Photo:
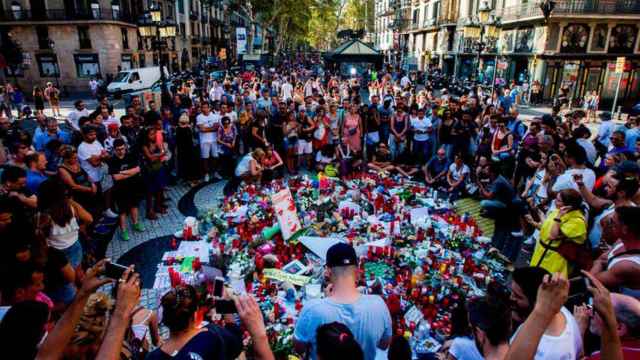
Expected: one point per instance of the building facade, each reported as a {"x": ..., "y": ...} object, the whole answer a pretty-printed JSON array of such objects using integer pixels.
[
  {"x": 68, "y": 42},
  {"x": 574, "y": 48}
]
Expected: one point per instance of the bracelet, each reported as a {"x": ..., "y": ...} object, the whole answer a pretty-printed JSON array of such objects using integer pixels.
[{"x": 558, "y": 220}]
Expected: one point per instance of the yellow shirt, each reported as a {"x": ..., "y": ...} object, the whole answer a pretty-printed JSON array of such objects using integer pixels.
[{"x": 573, "y": 227}]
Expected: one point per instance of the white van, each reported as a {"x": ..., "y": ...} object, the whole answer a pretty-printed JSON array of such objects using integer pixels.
[{"x": 135, "y": 80}]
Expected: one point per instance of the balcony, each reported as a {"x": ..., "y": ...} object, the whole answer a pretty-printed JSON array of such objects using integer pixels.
[
  {"x": 206, "y": 40},
  {"x": 66, "y": 15},
  {"x": 571, "y": 8},
  {"x": 429, "y": 23},
  {"x": 195, "y": 39}
]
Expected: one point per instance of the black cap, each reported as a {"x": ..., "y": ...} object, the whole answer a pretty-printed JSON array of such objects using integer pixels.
[
  {"x": 341, "y": 254},
  {"x": 627, "y": 167}
]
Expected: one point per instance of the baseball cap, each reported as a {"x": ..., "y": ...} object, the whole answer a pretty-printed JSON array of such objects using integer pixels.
[
  {"x": 341, "y": 254},
  {"x": 627, "y": 167},
  {"x": 112, "y": 126}
]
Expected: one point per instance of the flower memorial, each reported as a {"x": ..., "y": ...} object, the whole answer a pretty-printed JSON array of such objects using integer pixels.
[{"x": 414, "y": 251}]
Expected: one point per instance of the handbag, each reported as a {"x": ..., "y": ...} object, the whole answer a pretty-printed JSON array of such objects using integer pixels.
[{"x": 578, "y": 254}]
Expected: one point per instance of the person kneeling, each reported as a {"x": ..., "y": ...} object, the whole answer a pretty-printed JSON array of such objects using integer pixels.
[{"x": 249, "y": 169}]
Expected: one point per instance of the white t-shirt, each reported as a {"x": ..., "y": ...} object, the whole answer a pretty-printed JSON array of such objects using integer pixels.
[
  {"x": 244, "y": 166},
  {"x": 232, "y": 115},
  {"x": 405, "y": 81},
  {"x": 459, "y": 173},
  {"x": 421, "y": 124},
  {"x": 111, "y": 120},
  {"x": 565, "y": 181},
  {"x": 566, "y": 346},
  {"x": 75, "y": 115},
  {"x": 86, "y": 151},
  {"x": 208, "y": 121},
  {"x": 287, "y": 91},
  {"x": 321, "y": 159}
]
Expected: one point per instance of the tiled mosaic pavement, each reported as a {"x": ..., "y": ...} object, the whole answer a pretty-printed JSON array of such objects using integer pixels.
[{"x": 160, "y": 231}]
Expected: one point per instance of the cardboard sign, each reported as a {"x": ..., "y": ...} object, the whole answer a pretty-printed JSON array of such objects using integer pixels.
[
  {"x": 286, "y": 213},
  {"x": 319, "y": 245},
  {"x": 277, "y": 274}
]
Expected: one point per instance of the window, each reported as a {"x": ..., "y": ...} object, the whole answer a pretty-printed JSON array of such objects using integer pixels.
[
  {"x": 83, "y": 37},
  {"x": 87, "y": 65},
  {"x": 183, "y": 31},
  {"x": 42, "y": 31},
  {"x": 14, "y": 71},
  {"x": 125, "y": 38},
  {"x": 48, "y": 65},
  {"x": 143, "y": 60},
  {"x": 181, "y": 6},
  {"x": 126, "y": 62}
]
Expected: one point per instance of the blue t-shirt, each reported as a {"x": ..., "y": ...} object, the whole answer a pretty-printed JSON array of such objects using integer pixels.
[
  {"x": 34, "y": 179},
  {"x": 464, "y": 348},
  {"x": 436, "y": 166},
  {"x": 368, "y": 319},
  {"x": 631, "y": 136},
  {"x": 42, "y": 138}
]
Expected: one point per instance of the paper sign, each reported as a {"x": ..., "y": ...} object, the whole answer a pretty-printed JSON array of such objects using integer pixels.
[
  {"x": 286, "y": 213},
  {"x": 319, "y": 245},
  {"x": 413, "y": 315},
  {"x": 280, "y": 275},
  {"x": 419, "y": 215}
]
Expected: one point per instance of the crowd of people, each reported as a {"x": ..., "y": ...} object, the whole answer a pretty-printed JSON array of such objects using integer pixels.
[{"x": 563, "y": 200}]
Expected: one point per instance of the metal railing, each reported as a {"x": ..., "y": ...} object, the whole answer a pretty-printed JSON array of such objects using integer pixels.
[
  {"x": 597, "y": 7},
  {"x": 573, "y": 7},
  {"x": 66, "y": 15}
]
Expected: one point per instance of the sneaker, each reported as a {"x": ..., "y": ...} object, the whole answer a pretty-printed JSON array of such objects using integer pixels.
[
  {"x": 206, "y": 178},
  {"x": 217, "y": 176},
  {"x": 110, "y": 213},
  {"x": 124, "y": 235},
  {"x": 138, "y": 227}
]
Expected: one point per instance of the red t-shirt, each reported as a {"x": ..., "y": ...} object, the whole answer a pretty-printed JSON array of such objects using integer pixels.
[{"x": 628, "y": 353}]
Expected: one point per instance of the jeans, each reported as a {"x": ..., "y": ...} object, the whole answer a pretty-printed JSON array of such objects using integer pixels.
[
  {"x": 396, "y": 147},
  {"x": 385, "y": 131},
  {"x": 421, "y": 150},
  {"x": 493, "y": 207}
]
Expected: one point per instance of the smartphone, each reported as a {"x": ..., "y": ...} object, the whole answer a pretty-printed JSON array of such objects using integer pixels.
[
  {"x": 218, "y": 287},
  {"x": 578, "y": 286},
  {"x": 114, "y": 271},
  {"x": 225, "y": 307}
]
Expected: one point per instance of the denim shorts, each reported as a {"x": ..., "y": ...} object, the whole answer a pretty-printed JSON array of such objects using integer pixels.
[
  {"x": 74, "y": 254},
  {"x": 64, "y": 294}
]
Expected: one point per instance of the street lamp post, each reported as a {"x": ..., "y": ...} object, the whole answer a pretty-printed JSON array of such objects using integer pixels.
[
  {"x": 152, "y": 26},
  {"x": 56, "y": 71},
  {"x": 547, "y": 7},
  {"x": 485, "y": 25}
]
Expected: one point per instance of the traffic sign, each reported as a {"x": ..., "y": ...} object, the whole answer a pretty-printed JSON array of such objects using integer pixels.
[{"x": 620, "y": 61}]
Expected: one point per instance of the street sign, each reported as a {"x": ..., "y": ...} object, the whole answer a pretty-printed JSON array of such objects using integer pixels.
[{"x": 620, "y": 61}]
